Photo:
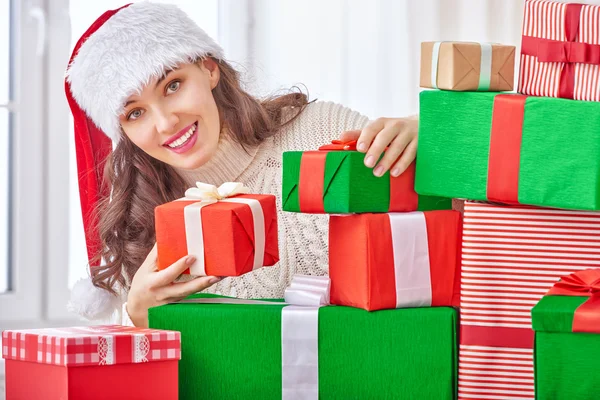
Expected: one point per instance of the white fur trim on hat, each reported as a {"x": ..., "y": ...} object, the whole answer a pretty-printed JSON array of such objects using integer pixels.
[
  {"x": 131, "y": 48},
  {"x": 90, "y": 302}
]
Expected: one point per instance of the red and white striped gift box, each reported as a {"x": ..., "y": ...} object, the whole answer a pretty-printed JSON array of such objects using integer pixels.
[
  {"x": 511, "y": 256},
  {"x": 560, "y": 52},
  {"x": 91, "y": 345}
]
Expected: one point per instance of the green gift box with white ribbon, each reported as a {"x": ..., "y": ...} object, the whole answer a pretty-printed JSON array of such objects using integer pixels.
[{"x": 234, "y": 348}]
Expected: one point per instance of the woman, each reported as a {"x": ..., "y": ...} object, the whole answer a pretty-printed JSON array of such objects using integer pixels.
[{"x": 146, "y": 80}]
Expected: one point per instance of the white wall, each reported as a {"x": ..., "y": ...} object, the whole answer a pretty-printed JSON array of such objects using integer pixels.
[{"x": 365, "y": 54}]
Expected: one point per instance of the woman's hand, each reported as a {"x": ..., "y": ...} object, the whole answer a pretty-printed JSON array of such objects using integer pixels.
[
  {"x": 399, "y": 135},
  {"x": 151, "y": 287}
]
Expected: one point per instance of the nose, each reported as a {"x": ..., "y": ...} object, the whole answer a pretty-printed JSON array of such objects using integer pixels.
[{"x": 165, "y": 120}]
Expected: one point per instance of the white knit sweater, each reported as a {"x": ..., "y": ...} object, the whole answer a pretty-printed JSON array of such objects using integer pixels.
[{"x": 303, "y": 241}]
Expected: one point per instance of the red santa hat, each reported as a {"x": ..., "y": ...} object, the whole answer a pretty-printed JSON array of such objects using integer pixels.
[{"x": 122, "y": 51}]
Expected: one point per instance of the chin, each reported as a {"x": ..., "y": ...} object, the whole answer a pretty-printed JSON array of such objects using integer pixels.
[{"x": 196, "y": 160}]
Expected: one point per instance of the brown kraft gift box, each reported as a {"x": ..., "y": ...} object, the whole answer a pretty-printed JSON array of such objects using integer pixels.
[{"x": 459, "y": 66}]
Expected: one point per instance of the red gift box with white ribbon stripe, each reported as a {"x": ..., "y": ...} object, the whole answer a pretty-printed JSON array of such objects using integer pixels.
[
  {"x": 511, "y": 256},
  {"x": 119, "y": 353},
  {"x": 560, "y": 50},
  {"x": 394, "y": 260}
]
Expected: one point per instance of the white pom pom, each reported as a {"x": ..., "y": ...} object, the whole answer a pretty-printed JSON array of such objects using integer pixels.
[{"x": 91, "y": 302}]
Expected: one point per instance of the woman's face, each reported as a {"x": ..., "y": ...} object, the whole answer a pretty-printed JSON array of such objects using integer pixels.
[{"x": 175, "y": 118}]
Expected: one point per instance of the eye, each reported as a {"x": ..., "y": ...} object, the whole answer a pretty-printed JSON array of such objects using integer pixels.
[
  {"x": 172, "y": 87},
  {"x": 135, "y": 114}
]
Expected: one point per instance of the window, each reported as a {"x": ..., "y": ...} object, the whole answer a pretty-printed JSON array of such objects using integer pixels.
[{"x": 5, "y": 132}]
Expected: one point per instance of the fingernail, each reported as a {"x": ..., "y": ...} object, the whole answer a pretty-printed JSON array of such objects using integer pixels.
[
  {"x": 361, "y": 147},
  {"x": 395, "y": 172},
  {"x": 190, "y": 260},
  {"x": 214, "y": 280},
  {"x": 370, "y": 161},
  {"x": 378, "y": 171}
]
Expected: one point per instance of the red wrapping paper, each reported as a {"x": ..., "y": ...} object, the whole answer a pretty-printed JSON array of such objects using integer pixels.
[
  {"x": 228, "y": 235},
  {"x": 361, "y": 259},
  {"x": 92, "y": 363}
]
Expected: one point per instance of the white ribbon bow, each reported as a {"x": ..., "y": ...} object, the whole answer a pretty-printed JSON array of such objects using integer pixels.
[{"x": 209, "y": 194}]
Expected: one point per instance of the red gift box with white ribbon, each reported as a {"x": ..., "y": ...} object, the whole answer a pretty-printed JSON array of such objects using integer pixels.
[
  {"x": 93, "y": 362},
  {"x": 395, "y": 260}
]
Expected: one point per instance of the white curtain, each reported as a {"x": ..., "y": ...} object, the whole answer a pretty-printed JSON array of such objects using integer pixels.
[{"x": 363, "y": 54}]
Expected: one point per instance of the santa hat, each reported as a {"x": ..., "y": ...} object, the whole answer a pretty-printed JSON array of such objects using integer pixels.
[{"x": 117, "y": 56}]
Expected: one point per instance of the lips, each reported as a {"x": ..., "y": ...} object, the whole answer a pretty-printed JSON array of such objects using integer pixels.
[{"x": 181, "y": 137}]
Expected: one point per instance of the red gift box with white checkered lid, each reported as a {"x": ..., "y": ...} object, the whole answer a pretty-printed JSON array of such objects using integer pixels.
[{"x": 65, "y": 362}]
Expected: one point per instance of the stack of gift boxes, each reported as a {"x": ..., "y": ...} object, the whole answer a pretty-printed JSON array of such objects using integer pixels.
[
  {"x": 389, "y": 248},
  {"x": 401, "y": 263},
  {"x": 529, "y": 165}
]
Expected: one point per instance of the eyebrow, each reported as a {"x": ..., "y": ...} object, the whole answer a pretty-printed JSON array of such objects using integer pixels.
[{"x": 162, "y": 78}]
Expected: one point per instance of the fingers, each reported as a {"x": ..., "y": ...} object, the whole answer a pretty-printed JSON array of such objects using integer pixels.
[
  {"x": 391, "y": 137},
  {"x": 368, "y": 134},
  {"x": 405, "y": 159},
  {"x": 169, "y": 274},
  {"x": 180, "y": 290},
  {"x": 349, "y": 135}
]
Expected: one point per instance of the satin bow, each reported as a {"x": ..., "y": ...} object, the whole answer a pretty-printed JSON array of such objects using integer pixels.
[
  {"x": 208, "y": 192},
  {"x": 581, "y": 283}
]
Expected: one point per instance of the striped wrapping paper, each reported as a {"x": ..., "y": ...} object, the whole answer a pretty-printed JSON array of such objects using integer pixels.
[
  {"x": 511, "y": 256},
  {"x": 546, "y": 20}
]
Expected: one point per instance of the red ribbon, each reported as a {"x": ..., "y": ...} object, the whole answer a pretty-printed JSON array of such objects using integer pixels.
[
  {"x": 582, "y": 283},
  {"x": 312, "y": 178},
  {"x": 349, "y": 145},
  {"x": 505, "y": 148},
  {"x": 569, "y": 52}
]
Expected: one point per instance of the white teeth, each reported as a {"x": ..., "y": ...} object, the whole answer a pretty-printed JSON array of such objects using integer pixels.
[{"x": 184, "y": 138}]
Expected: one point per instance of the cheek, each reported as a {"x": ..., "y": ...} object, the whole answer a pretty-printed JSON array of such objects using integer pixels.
[
  {"x": 204, "y": 104},
  {"x": 141, "y": 135}
]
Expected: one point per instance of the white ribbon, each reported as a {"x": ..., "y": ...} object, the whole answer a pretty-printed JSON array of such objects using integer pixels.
[
  {"x": 485, "y": 66},
  {"x": 435, "y": 58},
  {"x": 300, "y": 336},
  {"x": 299, "y": 333},
  {"x": 411, "y": 259},
  {"x": 106, "y": 350},
  {"x": 210, "y": 194}
]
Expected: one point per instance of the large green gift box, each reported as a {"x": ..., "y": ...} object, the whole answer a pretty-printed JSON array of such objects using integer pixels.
[
  {"x": 567, "y": 339},
  {"x": 231, "y": 351},
  {"x": 336, "y": 181},
  {"x": 509, "y": 148}
]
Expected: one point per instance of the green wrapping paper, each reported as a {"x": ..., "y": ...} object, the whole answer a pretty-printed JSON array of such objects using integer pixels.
[
  {"x": 232, "y": 351},
  {"x": 558, "y": 163},
  {"x": 348, "y": 186},
  {"x": 566, "y": 363}
]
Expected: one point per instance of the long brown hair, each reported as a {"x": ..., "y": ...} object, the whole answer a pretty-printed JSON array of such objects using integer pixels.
[{"x": 139, "y": 182}]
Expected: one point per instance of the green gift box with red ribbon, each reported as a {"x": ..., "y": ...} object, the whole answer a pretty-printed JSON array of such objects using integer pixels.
[
  {"x": 567, "y": 338},
  {"x": 335, "y": 180},
  {"x": 509, "y": 148}
]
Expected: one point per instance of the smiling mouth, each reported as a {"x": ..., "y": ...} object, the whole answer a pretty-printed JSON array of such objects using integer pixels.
[{"x": 183, "y": 139}]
